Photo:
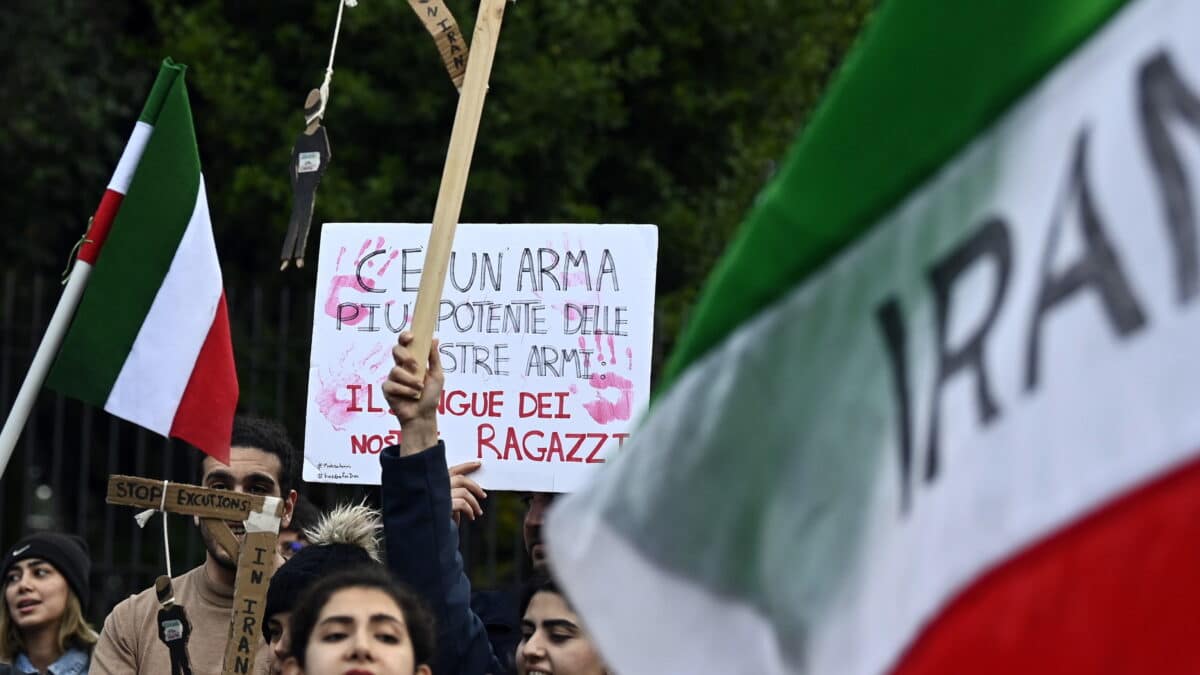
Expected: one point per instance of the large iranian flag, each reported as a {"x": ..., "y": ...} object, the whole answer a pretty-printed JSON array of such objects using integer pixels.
[
  {"x": 939, "y": 408},
  {"x": 150, "y": 340}
]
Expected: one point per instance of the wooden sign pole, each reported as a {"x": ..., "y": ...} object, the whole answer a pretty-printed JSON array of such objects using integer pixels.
[
  {"x": 255, "y": 555},
  {"x": 256, "y": 564},
  {"x": 454, "y": 176}
]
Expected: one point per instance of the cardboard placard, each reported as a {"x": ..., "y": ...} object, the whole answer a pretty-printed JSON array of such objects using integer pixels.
[
  {"x": 219, "y": 530},
  {"x": 256, "y": 564},
  {"x": 545, "y": 334},
  {"x": 440, "y": 23},
  {"x": 255, "y": 555},
  {"x": 192, "y": 500}
]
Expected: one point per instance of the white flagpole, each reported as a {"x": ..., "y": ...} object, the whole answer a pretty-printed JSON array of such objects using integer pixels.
[
  {"x": 42, "y": 360},
  {"x": 88, "y": 249}
]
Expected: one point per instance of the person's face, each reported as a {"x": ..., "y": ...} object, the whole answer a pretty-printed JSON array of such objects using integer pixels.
[
  {"x": 279, "y": 640},
  {"x": 35, "y": 594},
  {"x": 552, "y": 641},
  {"x": 360, "y": 631},
  {"x": 535, "y": 513},
  {"x": 290, "y": 543},
  {"x": 251, "y": 471}
]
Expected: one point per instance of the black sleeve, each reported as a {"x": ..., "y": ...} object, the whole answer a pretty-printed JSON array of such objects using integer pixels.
[{"x": 422, "y": 551}]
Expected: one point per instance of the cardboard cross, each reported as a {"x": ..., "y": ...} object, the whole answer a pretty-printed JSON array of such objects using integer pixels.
[
  {"x": 440, "y": 23},
  {"x": 255, "y": 555}
]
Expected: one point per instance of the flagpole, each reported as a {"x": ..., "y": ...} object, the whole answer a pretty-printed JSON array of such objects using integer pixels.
[
  {"x": 88, "y": 252},
  {"x": 60, "y": 321},
  {"x": 454, "y": 177}
]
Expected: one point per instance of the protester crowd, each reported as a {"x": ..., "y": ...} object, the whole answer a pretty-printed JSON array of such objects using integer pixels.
[{"x": 355, "y": 589}]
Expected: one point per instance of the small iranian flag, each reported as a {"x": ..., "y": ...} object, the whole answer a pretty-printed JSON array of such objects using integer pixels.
[
  {"x": 150, "y": 340},
  {"x": 937, "y": 411}
]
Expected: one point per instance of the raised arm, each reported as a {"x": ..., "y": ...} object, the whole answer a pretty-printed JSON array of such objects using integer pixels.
[{"x": 421, "y": 537}]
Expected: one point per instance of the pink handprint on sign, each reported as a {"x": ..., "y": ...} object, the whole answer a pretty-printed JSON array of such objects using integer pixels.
[
  {"x": 614, "y": 393},
  {"x": 359, "y": 281},
  {"x": 350, "y": 385},
  {"x": 572, "y": 281}
]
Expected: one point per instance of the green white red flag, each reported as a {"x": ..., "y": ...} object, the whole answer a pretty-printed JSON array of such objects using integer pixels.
[
  {"x": 150, "y": 341},
  {"x": 936, "y": 410}
]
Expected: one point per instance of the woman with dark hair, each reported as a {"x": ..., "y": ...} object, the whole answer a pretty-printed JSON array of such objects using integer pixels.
[
  {"x": 360, "y": 621},
  {"x": 42, "y": 628},
  {"x": 346, "y": 537},
  {"x": 553, "y": 641}
]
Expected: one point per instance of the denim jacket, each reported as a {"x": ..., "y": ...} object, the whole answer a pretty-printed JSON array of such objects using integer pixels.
[{"x": 72, "y": 662}]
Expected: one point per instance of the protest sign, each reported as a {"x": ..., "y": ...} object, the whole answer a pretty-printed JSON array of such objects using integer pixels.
[
  {"x": 255, "y": 554},
  {"x": 545, "y": 337}
]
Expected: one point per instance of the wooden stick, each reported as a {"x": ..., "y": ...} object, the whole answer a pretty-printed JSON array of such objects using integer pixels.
[{"x": 454, "y": 176}]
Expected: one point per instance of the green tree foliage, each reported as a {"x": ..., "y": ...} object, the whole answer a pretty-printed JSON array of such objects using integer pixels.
[
  {"x": 69, "y": 101},
  {"x": 669, "y": 112}
]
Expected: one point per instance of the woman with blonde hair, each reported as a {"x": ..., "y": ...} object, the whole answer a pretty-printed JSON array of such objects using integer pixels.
[{"x": 42, "y": 627}]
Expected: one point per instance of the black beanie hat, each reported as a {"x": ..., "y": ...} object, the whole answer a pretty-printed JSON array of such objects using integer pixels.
[
  {"x": 67, "y": 552},
  {"x": 301, "y": 570}
]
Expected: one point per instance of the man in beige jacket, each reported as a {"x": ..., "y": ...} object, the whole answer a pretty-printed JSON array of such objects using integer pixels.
[{"x": 261, "y": 463}]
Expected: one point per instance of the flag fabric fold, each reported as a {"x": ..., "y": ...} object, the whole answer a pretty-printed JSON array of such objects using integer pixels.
[
  {"x": 150, "y": 341},
  {"x": 935, "y": 410}
]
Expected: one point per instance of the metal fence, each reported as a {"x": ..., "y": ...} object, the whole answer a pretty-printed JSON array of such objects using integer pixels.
[{"x": 57, "y": 477}]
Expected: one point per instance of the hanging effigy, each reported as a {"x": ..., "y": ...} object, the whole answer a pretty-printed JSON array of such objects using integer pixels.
[{"x": 310, "y": 158}]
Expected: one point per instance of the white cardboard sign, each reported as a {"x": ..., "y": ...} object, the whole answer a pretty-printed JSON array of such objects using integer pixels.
[{"x": 545, "y": 337}]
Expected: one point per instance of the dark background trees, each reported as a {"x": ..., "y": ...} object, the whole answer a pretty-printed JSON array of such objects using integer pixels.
[{"x": 671, "y": 112}]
